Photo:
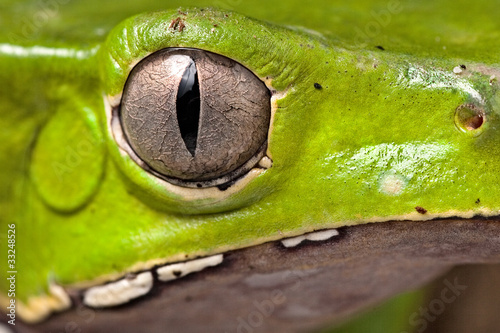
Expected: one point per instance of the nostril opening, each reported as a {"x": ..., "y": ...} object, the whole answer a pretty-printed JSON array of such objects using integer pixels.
[
  {"x": 469, "y": 117},
  {"x": 474, "y": 122}
]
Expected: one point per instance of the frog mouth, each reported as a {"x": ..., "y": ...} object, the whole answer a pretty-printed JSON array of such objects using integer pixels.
[
  {"x": 130, "y": 286},
  {"x": 136, "y": 285},
  {"x": 113, "y": 293},
  {"x": 341, "y": 275}
]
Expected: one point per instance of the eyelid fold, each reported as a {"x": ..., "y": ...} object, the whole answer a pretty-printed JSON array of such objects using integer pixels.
[
  {"x": 210, "y": 30},
  {"x": 128, "y": 44},
  {"x": 268, "y": 51}
]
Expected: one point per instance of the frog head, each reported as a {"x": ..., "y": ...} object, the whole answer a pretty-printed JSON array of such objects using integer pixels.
[{"x": 291, "y": 134}]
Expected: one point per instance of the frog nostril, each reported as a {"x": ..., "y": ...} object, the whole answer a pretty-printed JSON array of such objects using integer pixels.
[
  {"x": 475, "y": 122},
  {"x": 469, "y": 117}
]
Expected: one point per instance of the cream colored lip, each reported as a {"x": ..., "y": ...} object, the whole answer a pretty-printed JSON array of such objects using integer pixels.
[
  {"x": 137, "y": 285},
  {"x": 312, "y": 236},
  {"x": 38, "y": 308},
  {"x": 121, "y": 291}
]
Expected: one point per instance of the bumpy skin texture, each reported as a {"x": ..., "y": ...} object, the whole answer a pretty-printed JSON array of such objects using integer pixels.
[{"x": 383, "y": 117}]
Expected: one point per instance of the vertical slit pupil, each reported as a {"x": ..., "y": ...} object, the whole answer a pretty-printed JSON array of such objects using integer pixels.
[{"x": 188, "y": 107}]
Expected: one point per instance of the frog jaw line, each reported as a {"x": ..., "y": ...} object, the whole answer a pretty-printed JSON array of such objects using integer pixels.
[
  {"x": 119, "y": 292},
  {"x": 178, "y": 270},
  {"x": 311, "y": 236},
  {"x": 38, "y": 308},
  {"x": 134, "y": 286}
]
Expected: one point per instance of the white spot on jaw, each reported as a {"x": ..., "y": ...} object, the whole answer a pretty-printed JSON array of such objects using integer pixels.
[
  {"x": 119, "y": 292},
  {"x": 111, "y": 294},
  {"x": 38, "y": 308},
  {"x": 175, "y": 271},
  {"x": 60, "y": 294},
  {"x": 312, "y": 236}
]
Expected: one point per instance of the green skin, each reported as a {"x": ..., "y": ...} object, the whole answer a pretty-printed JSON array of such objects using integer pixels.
[{"x": 84, "y": 212}]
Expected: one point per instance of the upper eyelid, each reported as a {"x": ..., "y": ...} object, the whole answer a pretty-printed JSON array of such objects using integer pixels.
[{"x": 258, "y": 47}]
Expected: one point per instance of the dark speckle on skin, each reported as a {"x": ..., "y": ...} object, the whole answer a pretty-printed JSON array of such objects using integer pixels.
[
  {"x": 463, "y": 67},
  {"x": 421, "y": 210},
  {"x": 177, "y": 273},
  {"x": 177, "y": 24},
  {"x": 380, "y": 47},
  {"x": 181, "y": 26},
  {"x": 318, "y": 86},
  {"x": 174, "y": 22},
  {"x": 130, "y": 276},
  {"x": 478, "y": 201}
]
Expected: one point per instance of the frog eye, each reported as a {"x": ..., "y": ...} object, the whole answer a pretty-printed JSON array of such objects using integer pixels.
[{"x": 195, "y": 118}]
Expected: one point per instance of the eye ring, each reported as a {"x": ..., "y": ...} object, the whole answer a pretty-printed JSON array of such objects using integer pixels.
[{"x": 234, "y": 118}]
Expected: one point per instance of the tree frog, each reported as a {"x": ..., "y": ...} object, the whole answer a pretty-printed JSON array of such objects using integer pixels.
[{"x": 136, "y": 141}]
